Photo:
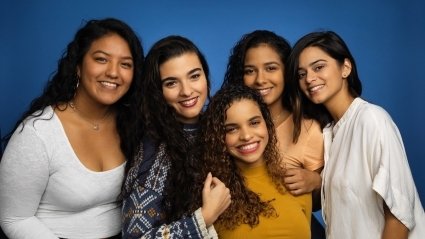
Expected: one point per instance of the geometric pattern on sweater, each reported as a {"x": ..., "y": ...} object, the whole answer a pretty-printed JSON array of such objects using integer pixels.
[{"x": 142, "y": 210}]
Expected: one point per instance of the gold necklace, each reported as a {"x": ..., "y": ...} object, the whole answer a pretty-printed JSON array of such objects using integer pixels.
[
  {"x": 275, "y": 119},
  {"x": 95, "y": 125}
]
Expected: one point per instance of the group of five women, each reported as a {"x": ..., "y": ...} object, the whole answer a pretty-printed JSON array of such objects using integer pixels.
[{"x": 119, "y": 145}]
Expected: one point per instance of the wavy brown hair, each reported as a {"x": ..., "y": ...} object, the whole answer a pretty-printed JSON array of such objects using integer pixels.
[{"x": 246, "y": 206}]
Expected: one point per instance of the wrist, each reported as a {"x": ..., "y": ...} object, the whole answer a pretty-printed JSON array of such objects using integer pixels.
[{"x": 207, "y": 217}]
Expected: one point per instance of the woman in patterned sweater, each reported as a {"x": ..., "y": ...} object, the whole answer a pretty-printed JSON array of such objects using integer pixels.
[{"x": 157, "y": 193}]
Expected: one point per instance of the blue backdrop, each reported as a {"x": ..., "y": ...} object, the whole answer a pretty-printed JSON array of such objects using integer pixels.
[{"x": 387, "y": 40}]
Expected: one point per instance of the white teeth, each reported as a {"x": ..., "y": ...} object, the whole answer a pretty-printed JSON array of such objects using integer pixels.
[
  {"x": 264, "y": 91},
  {"x": 189, "y": 102},
  {"x": 248, "y": 146},
  {"x": 109, "y": 84},
  {"x": 316, "y": 88}
]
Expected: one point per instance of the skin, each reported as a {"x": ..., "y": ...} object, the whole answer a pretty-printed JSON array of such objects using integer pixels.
[
  {"x": 323, "y": 81},
  {"x": 184, "y": 87},
  {"x": 246, "y": 133},
  {"x": 264, "y": 71},
  {"x": 105, "y": 76}
]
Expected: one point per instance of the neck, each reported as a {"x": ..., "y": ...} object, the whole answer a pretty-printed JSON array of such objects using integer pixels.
[
  {"x": 278, "y": 112},
  {"x": 89, "y": 110},
  {"x": 95, "y": 115},
  {"x": 339, "y": 106}
]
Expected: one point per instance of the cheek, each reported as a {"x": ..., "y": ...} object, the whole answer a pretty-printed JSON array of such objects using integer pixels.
[
  {"x": 229, "y": 141},
  {"x": 265, "y": 133},
  {"x": 169, "y": 95},
  {"x": 203, "y": 87},
  {"x": 129, "y": 76},
  {"x": 248, "y": 80}
]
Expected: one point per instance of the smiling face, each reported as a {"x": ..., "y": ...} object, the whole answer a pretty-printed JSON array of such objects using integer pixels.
[
  {"x": 322, "y": 79},
  {"x": 106, "y": 71},
  {"x": 246, "y": 133},
  {"x": 264, "y": 71},
  {"x": 184, "y": 86}
]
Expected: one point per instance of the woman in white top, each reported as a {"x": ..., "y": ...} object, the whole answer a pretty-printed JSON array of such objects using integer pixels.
[
  {"x": 63, "y": 167},
  {"x": 367, "y": 188}
]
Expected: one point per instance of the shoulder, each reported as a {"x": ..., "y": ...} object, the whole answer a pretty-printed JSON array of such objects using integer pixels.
[
  {"x": 311, "y": 128},
  {"x": 370, "y": 115}
]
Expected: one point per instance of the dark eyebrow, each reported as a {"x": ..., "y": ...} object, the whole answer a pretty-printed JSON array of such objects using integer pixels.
[
  {"x": 255, "y": 117},
  {"x": 189, "y": 73},
  {"x": 167, "y": 79},
  {"x": 194, "y": 70},
  {"x": 103, "y": 52},
  {"x": 267, "y": 63},
  {"x": 250, "y": 119},
  {"x": 314, "y": 62}
]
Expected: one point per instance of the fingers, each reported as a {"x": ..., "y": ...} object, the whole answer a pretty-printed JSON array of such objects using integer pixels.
[
  {"x": 291, "y": 172},
  {"x": 208, "y": 182}
]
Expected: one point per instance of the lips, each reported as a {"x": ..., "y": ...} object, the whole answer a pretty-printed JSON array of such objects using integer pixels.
[
  {"x": 109, "y": 85},
  {"x": 248, "y": 148},
  {"x": 190, "y": 102},
  {"x": 264, "y": 91},
  {"x": 314, "y": 89}
]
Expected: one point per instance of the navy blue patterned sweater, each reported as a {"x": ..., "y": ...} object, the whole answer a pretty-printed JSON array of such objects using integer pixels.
[{"x": 143, "y": 207}]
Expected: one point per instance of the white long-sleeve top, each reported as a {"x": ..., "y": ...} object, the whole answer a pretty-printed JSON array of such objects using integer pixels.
[
  {"x": 46, "y": 192},
  {"x": 365, "y": 166}
]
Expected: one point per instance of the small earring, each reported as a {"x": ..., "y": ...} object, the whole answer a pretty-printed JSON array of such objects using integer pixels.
[
  {"x": 344, "y": 75},
  {"x": 78, "y": 81}
]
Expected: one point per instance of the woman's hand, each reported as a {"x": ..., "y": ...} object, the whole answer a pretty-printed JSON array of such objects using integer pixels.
[
  {"x": 215, "y": 199},
  {"x": 299, "y": 181}
]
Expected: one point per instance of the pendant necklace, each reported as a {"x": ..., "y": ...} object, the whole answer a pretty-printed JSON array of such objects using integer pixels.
[{"x": 95, "y": 125}]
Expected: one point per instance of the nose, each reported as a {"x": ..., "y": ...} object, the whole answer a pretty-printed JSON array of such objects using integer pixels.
[
  {"x": 186, "y": 89},
  {"x": 112, "y": 70},
  {"x": 245, "y": 134},
  {"x": 260, "y": 78},
  {"x": 310, "y": 77}
]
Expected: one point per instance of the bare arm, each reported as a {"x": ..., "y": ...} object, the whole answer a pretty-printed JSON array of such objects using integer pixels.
[{"x": 393, "y": 228}]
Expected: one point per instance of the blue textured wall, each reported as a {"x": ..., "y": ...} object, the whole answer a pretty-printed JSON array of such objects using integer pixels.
[{"x": 385, "y": 38}]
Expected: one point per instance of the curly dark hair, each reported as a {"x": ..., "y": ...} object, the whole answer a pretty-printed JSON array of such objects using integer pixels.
[
  {"x": 62, "y": 85},
  {"x": 335, "y": 47},
  {"x": 246, "y": 206},
  {"x": 235, "y": 66},
  {"x": 160, "y": 124}
]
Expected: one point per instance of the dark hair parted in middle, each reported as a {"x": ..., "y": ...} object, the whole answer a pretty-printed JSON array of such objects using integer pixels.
[
  {"x": 160, "y": 123},
  {"x": 335, "y": 47}
]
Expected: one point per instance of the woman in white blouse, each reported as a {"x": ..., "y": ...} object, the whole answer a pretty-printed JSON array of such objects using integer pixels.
[{"x": 367, "y": 189}]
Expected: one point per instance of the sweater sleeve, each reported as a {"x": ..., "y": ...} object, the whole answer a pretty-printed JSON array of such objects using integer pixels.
[
  {"x": 143, "y": 208},
  {"x": 142, "y": 219},
  {"x": 24, "y": 174}
]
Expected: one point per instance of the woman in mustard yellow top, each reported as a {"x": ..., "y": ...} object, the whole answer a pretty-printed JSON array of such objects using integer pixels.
[{"x": 240, "y": 149}]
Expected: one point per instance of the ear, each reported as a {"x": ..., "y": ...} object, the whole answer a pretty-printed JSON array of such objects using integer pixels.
[{"x": 346, "y": 68}]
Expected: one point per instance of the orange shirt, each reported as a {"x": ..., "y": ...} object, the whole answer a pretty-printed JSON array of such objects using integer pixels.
[{"x": 308, "y": 151}]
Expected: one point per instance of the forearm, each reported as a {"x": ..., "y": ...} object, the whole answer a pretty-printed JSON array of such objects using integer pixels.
[
  {"x": 393, "y": 228},
  {"x": 141, "y": 219},
  {"x": 27, "y": 228}
]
